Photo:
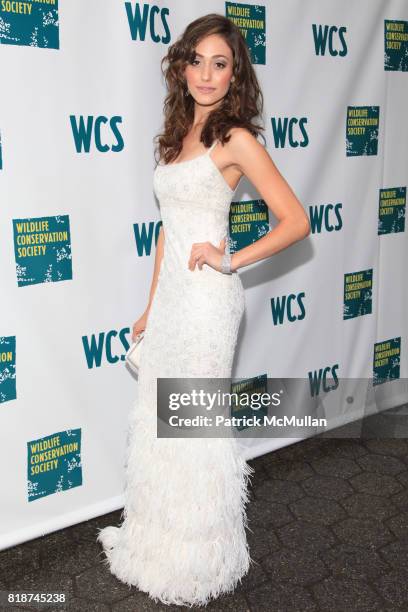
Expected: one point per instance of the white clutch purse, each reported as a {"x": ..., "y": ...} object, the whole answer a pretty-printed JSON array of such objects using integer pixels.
[{"x": 133, "y": 354}]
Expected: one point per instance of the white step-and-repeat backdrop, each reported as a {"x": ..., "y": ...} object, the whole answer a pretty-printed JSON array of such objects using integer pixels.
[{"x": 81, "y": 100}]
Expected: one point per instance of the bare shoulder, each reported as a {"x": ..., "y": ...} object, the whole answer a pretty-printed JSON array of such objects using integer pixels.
[
  {"x": 243, "y": 147},
  {"x": 240, "y": 135}
]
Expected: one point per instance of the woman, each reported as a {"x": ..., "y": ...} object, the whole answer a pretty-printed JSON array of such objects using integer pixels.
[{"x": 183, "y": 536}]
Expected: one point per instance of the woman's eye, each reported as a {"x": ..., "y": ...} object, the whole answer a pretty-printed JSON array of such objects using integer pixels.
[{"x": 196, "y": 61}]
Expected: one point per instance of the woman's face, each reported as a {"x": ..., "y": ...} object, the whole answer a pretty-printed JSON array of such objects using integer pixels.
[{"x": 208, "y": 76}]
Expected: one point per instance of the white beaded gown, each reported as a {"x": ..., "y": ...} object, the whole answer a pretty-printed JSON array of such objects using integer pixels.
[{"x": 183, "y": 538}]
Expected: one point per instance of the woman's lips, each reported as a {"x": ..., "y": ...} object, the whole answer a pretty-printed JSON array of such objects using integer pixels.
[{"x": 206, "y": 89}]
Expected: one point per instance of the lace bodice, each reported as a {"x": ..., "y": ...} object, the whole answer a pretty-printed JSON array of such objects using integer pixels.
[{"x": 194, "y": 201}]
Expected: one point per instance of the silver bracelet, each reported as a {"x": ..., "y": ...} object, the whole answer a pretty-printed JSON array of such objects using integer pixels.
[{"x": 226, "y": 259}]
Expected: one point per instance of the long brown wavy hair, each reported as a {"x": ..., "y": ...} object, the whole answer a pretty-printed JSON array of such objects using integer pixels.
[{"x": 242, "y": 103}]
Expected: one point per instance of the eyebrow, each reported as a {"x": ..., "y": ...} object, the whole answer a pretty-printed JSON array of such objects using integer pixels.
[{"x": 224, "y": 56}]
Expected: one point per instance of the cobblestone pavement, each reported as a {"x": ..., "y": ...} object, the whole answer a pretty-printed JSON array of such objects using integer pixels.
[{"x": 328, "y": 526}]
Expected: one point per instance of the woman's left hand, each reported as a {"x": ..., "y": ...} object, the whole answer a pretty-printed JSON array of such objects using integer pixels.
[{"x": 206, "y": 253}]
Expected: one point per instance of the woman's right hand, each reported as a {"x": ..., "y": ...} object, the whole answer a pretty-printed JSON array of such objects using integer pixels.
[{"x": 140, "y": 324}]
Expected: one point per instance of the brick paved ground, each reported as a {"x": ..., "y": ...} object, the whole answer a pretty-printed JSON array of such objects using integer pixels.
[{"x": 329, "y": 532}]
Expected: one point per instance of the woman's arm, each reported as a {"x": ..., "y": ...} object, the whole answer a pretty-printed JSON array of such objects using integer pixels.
[
  {"x": 251, "y": 158},
  {"x": 157, "y": 264}
]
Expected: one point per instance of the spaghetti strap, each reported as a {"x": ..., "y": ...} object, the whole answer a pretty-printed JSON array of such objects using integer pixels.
[{"x": 212, "y": 146}]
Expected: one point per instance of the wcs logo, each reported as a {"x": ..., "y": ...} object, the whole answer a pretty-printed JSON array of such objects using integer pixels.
[
  {"x": 318, "y": 379},
  {"x": 144, "y": 235},
  {"x": 284, "y": 308},
  {"x": 289, "y": 128},
  {"x": 321, "y": 218},
  {"x": 84, "y": 134},
  {"x": 99, "y": 347},
  {"x": 151, "y": 17},
  {"x": 326, "y": 35}
]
